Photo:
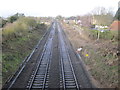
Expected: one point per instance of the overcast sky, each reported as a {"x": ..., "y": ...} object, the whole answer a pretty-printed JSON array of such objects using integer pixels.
[{"x": 53, "y": 7}]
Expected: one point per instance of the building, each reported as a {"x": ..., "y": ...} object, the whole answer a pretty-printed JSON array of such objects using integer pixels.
[{"x": 115, "y": 25}]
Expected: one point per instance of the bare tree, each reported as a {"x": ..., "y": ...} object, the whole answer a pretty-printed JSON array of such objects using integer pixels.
[
  {"x": 99, "y": 11},
  {"x": 103, "y": 16}
]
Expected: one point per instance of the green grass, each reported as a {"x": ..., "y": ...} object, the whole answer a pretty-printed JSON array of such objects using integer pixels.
[
  {"x": 107, "y": 35},
  {"x": 16, "y": 51},
  {"x": 100, "y": 67},
  {"x": 101, "y": 54},
  {"x": 100, "y": 70},
  {"x": 18, "y": 28},
  {"x": 17, "y": 44}
]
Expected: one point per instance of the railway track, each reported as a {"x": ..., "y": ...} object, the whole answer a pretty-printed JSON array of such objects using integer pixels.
[
  {"x": 67, "y": 76},
  {"x": 39, "y": 78}
]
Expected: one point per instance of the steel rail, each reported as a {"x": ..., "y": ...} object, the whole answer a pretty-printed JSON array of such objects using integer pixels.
[
  {"x": 40, "y": 61},
  {"x": 71, "y": 65},
  {"x": 38, "y": 64},
  {"x": 48, "y": 66},
  {"x": 62, "y": 68},
  {"x": 61, "y": 61},
  {"x": 72, "y": 70},
  {"x": 62, "y": 43},
  {"x": 24, "y": 62},
  {"x": 37, "y": 67}
]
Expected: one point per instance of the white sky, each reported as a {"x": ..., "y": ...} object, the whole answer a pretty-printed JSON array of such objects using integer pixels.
[{"x": 53, "y": 7}]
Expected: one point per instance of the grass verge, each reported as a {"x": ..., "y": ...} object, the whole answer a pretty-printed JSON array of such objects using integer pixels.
[
  {"x": 101, "y": 60},
  {"x": 15, "y": 49}
]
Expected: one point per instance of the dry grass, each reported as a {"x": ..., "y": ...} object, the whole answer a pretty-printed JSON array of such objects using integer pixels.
[
  {"x": 101, "y": 60},
  {"x": 18, "y": 28},
  {"x": 18, "y": 41}
]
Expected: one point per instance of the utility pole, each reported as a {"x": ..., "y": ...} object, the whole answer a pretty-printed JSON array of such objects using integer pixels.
[{"x": 98, "y": 35}]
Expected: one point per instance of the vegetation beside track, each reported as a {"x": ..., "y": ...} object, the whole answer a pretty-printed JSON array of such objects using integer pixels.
[
  {"x": 100, "y": 56},
  {"x": 19, "y": 39},
  {"x": 103, "y": 35}
]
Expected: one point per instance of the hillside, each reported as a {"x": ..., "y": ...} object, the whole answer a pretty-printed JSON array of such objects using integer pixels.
[
  {"x": 19, "y": 39},
  {"x": 100, "y": 56}
]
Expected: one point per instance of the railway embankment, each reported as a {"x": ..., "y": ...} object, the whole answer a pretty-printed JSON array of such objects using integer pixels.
[
  {"x": 100, "y": 56},
  {"x": 18, "y": 40}
]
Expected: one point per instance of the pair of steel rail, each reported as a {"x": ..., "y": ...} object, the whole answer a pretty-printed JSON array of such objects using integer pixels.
[
  {"x": 40, "y": 76},
  {"x": 68, "y": 76}
]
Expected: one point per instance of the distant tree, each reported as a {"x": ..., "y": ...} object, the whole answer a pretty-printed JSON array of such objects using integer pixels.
[
  {"x": 59, "y": 17},
  {"x": 117, "y": 15},
  {"x": 13, "y": 18},
  {"x": 99, "y": 11},
  {"x": 102, "y": 16},
  {"x": 2, "y": 22},
  {"x": 103, "y": 19},
  {"x": 72, "y": 18},
  {"x": 86, "y": 20}
]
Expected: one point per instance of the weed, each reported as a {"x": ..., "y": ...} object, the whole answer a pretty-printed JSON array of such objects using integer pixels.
[{"x": 18, "y": 41}]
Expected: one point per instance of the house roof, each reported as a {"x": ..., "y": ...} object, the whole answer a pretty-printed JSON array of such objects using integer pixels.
[{"x": 115, "y": 25}]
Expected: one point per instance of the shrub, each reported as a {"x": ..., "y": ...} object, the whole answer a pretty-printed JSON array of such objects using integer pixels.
[
  {"x": 107, "y": 35},
  {"x": 29, "y": 21},
  {"x": 18, "y": 28}
]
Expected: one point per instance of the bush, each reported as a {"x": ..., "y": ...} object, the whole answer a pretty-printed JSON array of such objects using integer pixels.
[
  {"x": 107, "y": 35},
  {"x": 29, "y": 21},
  {"x": 18, "y": 28},
  {"x": 15, "y": 17},
  {"x": 2, "y": 22}
]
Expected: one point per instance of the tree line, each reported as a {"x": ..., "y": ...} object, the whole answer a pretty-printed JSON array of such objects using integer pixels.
[{"x": 10, "y": 19}]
